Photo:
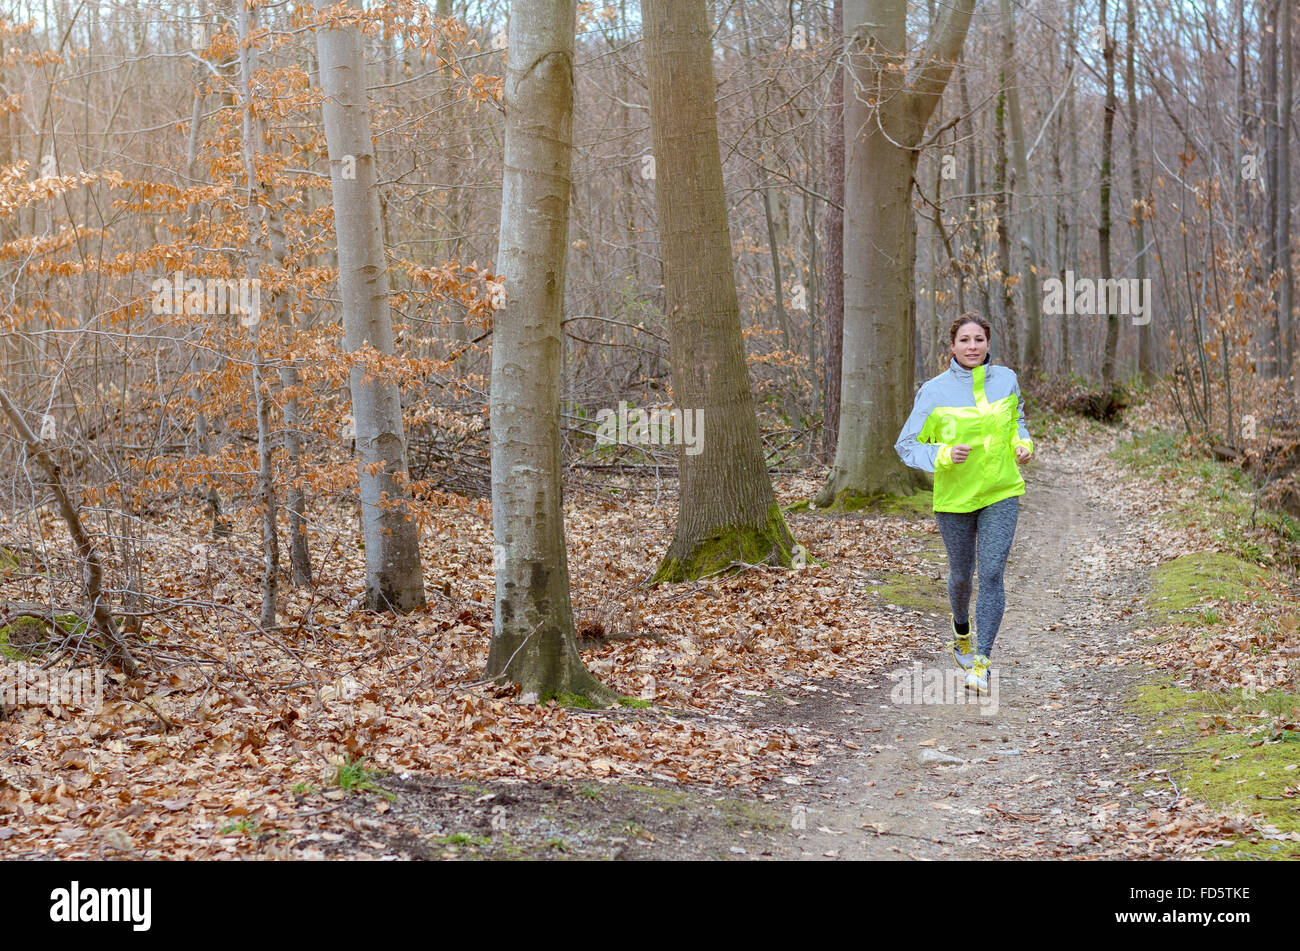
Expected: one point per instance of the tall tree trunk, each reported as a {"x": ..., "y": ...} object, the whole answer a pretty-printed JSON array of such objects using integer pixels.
[
  {"x": 533, "y": 641},
  {"x": 1270, "y": 338},
  {"x": 1103, "y": 223},
  {"x": 1139, "y": 196},
  {"x": 1071, "y": 257},
  {"x": 1286, "y": 290},
  {"x": 1021, "y": 204},
  {"x": 1244, "y": 135},
  {"x": 394, "y": 579},
  {"x": 728, "y": 512},
  {"x": 261, "y": 394},
  {"x": 973, "y": 184},
  {"x": 877, "y": 375},
  {"x": 834, "y": 308},
  {"x": 1002, "y": 210}
]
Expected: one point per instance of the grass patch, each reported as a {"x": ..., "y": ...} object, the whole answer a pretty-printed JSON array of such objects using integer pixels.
[
  {"x": 1237, "y": 761},
  {"x": 915, "y": 592},
  {"x": 918, "y": 591},
  {"x": 1216, "y": 497},
  {"x": 1183, "y": 583},
  {"x": 352, "y": 775},
  {"x": 463, "y": 839},
  {"x": 636, "y": 703},
  {"x": 244, "y": 825}
]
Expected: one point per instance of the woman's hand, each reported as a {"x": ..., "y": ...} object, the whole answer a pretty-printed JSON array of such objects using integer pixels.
[
  {"x": 959, "y": 453},
  {"x": 1023, "y": 455}
]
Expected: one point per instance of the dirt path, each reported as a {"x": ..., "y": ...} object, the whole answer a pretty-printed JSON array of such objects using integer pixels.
[
  {"x": 1037, "y": 773},
  {"x": 1044, "y": 772}
]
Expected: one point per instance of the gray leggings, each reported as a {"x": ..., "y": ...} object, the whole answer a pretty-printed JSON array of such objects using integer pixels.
[{"x": 989, "y": 531}]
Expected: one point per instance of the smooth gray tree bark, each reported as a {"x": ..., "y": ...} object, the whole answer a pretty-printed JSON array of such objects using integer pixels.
[
  {"x": 887, "y": 104},
  {"x": 394, "y": 579},
  {"x": 533, "y": 640}
]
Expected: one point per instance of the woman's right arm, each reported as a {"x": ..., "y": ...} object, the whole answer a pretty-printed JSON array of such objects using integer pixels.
[{"x": 917, "y": 454}]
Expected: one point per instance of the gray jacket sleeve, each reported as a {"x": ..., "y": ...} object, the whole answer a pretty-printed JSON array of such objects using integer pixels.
[
  {"x": 916, "y": 454},
  {"x": 1022, "y": 432}
]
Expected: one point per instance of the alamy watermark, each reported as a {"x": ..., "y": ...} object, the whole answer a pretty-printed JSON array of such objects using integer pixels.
[
  {"x": 940, "y": 685},
  {"x": 655, "y": 426},
  {"x": 24, "y": 684},
  {"x": 77, "y": 904},
  {"x": 1097, "y": 297},
  {"x": 179, "y": 294}
]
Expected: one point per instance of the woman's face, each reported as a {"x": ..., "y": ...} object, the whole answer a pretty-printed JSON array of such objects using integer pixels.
[{"x": 971, "y": 345}]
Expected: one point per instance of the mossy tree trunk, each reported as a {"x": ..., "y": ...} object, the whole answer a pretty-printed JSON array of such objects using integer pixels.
[
  {"x": 728, "y": 512},
  {"x": 886, "y": 108},
  {"x": 533, "y": 640}
]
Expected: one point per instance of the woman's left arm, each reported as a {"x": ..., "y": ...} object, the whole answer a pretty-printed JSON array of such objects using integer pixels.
[{"x": 1022, "y": 440}]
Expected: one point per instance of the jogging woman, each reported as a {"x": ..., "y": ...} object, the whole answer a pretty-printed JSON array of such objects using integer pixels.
[{"x": 968, "y": 428}]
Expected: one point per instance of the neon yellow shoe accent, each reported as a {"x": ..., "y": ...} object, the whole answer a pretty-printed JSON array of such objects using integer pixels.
[
  {"x": 978, "y": 678},
  {"x": 962, "y": 646}
]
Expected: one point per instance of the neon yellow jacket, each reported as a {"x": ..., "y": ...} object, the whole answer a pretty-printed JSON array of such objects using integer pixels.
[{"x": 981, "y": 408}]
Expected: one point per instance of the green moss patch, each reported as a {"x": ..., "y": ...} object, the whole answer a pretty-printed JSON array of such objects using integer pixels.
[
  {"x": 918, "y": 590},
  {"x": 916, "y": 505},
  {"x": 1237, "y": 761},
  {"x": 735, "y": 813},
  {"x": 736, "y": 546},
  {"x": 915, "y": 592},
  {"x": 1185, "y": 582},
  {"x": 573, "y": 700},
  {"x": 28, "y": 636}
]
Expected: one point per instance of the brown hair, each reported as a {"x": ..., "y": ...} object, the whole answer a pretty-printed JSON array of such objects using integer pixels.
[{"x": 970, "y": 317}]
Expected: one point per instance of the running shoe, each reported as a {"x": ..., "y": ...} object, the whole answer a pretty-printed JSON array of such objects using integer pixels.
[
  {"x": 962, "y": 645},
  {"x": 978, "y": 678}
]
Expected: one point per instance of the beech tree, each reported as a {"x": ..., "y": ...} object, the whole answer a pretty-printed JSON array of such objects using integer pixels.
[
  {"x": 888, "y": 99},
  {"x": 394, "y": 578},
  {"x": 533, "y": 640},
  {"x": 1104, "y": 190},
  {"x": 728, "y": 512},
  {"x": 834, "y": 254}
]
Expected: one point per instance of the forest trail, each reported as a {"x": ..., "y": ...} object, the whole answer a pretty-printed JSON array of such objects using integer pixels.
[
  {"x": 1059, "y": 768},
  {"x": 1037, "y": 773}
]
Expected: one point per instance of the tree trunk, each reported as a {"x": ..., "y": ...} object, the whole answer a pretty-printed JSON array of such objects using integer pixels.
[
  {"x": 877, "y": 374},
  {"x": 1103, "y": 223},
  {"x": 1021, "y": 204},
  {"x": 1286, "y": 290},
  {"x": 261, "y": 396},
  {"x": 393, "y": 573},
  {"x": 1145, "y": 367},
  {"x": 1071, "y": 250},
  {"x": 533, "y": 640},
  {"x": 728, "y": 513},
  {"x": 1002, "y": 210},
  {"x": 834, "y": 308}
]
